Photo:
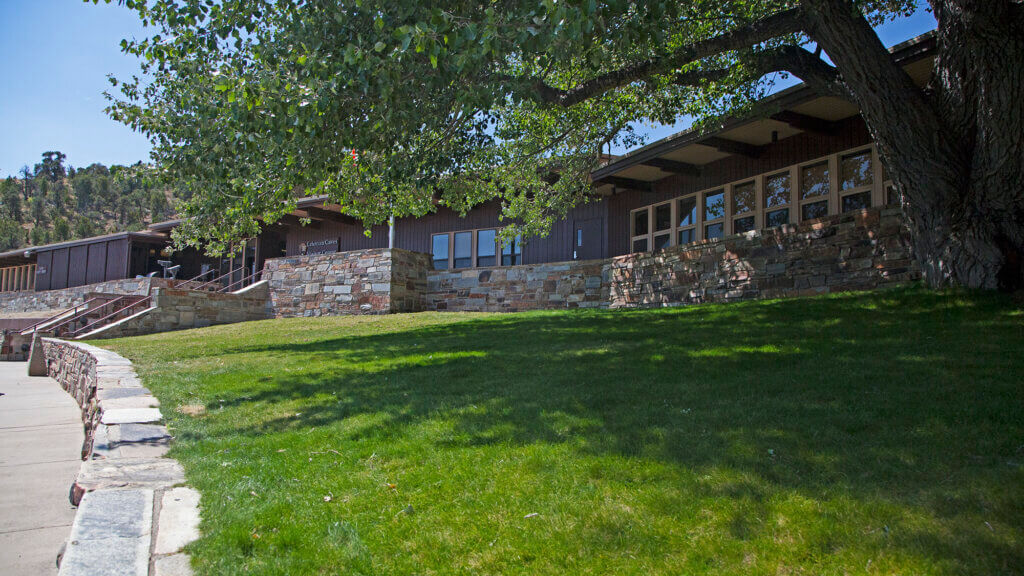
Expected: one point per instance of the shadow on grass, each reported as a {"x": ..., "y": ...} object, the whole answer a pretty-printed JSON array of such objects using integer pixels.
[{"x": 908, "y": 398}]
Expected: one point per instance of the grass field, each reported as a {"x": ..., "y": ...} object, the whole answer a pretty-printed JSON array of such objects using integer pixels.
[{"x": 853, "y": 434}]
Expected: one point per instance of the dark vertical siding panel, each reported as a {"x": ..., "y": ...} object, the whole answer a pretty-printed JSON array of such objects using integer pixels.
[
  {"x": 78, "y": 259},
  {"x": 117, "y": 259},
  {"x": 97, "y": 263},
  {"x": 44, "y": 264},
  {"x": 59, "y": 274}
]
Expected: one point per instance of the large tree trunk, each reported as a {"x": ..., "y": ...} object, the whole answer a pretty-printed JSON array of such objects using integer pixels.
[{"x": 955, "y": 151}]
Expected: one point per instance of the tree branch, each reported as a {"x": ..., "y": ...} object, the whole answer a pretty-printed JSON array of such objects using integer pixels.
[
  {"x": 763, "y": 30},
  {"x": 803, "y": 64}
]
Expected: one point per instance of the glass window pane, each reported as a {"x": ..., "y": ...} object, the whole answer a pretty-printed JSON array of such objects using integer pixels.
[
  {"x": 511, "y": 251},
  {"x": 713, "y": 231},
  {"x": 686, "y": 236},
  {"x": 486, "y": 247},
  {"x": 776, "y": 190},
  {"x": 855, "y": 170},
  {"x": 776, "y": 218},
  {"x": 814, "y": 210},
  {"x": 857, "y": 201},
  {"x": 439, "y": 248},
  {"x": 463, "y": 249},
  {"x": 892, "y": 197},
  {"x": 662, "y": 217},
  {"x": 687, "y": 211},
  {"x": 640, "y": 222},
  {"x": 814, "y": 180},
  {"x": 743, "y": 198},
  {"x": 662, "y": 241},
  {"x": 714, "y": 205},
  {"x": 745, "y": 224},
  {"x": 640, "y": 245}
]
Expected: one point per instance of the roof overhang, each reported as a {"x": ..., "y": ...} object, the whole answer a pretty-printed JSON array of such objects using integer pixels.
[{"x": 792, "y": 111}]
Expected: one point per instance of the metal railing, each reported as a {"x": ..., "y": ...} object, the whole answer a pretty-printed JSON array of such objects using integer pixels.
[
  {"x": 73, "y": 312},
  {"x": 100, "y": 322},
  {"x": 244, "y": 282}
]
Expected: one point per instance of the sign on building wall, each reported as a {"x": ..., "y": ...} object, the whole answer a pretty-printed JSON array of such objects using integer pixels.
[{"x": 319, "y": 246}]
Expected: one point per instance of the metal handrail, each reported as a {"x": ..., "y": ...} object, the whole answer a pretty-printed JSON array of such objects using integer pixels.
[
  {"x": 111, "y": 315},
  {"x": 73, "y": 311},
  {"x": 218, "y": 278},
  {"x": 101, "y": 307},
  {"x": 242, "y": 281},
  {"x": 195, "y": 278}
]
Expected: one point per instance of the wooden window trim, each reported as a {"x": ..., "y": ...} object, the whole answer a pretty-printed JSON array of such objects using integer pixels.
[{"x": 473, "y": 247}]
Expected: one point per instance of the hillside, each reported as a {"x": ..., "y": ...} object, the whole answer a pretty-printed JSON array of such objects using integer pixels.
[{"x": 53, "y": 201}]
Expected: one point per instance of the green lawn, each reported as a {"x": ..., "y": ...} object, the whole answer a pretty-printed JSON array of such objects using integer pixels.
[{"x": 853, "y": 434}]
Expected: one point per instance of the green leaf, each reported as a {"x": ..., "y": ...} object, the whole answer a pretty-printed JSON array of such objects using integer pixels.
[{"x": 380, "y": 46}]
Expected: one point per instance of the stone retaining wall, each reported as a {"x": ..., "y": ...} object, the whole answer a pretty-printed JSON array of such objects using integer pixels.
[
  {"x": 183, "y": 309},
  {"x": 53, "y": 300},
  {"x": 517, "y": 288},
  {"x": 855, "y": 251},
  {"x": 376, "y": 281},
  {"x": 126, "y": 490}
]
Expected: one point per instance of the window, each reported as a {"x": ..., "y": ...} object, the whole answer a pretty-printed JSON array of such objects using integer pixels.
[
  {"x": 744, "y": 202},
  {"x": 662, "y": 241},
  {"x": 687, "y": 211},
  {"x": 713, "y": 231},
  {"x": 486, "y": 247},
  {"x": 641, "y": 226},
  {"x": 814, "y": 210},
  {"x": 511, "y": 252},
  {"x": 857, "y": 201},
  {"x": 686, "y": 236},
  {"x": 439, "y": 249},
  {"x": 856, "y": 175},
  {"x": 714, "y": 205},
  {"x": 663, "y": 217},
  {"x": 744, "y": 224},
  {"x": 814, "y": 181},
  {"x": 814, "y": 190},
  {"x": 892, "y": 197},
  {"x": 463, "y": 252},
  {"x": 776, "y": 218}
]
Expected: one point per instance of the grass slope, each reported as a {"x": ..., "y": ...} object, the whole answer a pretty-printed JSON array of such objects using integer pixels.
[{"x": 853, "y": 434}]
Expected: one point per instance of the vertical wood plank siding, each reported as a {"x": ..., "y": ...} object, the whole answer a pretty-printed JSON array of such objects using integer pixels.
[{"x": 97, "y": 263}]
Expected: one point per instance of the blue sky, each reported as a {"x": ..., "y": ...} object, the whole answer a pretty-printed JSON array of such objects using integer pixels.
[{"x": 55, "y": 56}]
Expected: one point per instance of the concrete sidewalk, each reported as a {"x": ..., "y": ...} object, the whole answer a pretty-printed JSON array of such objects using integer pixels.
[{"x": 40, "y": 454}]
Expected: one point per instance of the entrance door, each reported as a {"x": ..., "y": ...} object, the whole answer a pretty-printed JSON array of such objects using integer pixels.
[{"x": 587, "y": 239}]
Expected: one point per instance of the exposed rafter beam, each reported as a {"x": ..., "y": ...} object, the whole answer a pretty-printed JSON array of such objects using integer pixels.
[
  {"x": 328, "y": 215},
  {"x": 806, "y": 123},
  {"x": 292, "y": 220},
  {"x": 673, "y": 166},
  {"x": 733, "y": 147},
  {"x": 630, "y": 183}
]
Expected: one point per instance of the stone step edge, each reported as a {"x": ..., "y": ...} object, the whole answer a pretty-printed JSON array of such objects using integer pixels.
[{"x": 123, "y": 462}]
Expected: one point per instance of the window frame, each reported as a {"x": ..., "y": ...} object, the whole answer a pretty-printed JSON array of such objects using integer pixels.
[
  {"x": 794, "y": 205},
  {"x": 869, "y": 188},
  {"x": 474, "y": 248}
]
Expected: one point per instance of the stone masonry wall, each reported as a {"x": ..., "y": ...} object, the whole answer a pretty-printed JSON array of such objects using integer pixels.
[
  {"x": 184, "y": 309},
  {"x": 855, "y": 251},
  {"x": 376, "y": 281},
  {"x": 53, "y": 300},
  {"x": 517, "y": 288},
  {"x": 125, "y": 487}
]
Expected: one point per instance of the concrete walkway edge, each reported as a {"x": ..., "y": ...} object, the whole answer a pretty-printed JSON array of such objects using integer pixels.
[{"x": 134, "y": 516}]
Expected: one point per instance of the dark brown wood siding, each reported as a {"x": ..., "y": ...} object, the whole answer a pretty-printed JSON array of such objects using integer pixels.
[
  {"x": 117, "y": 259},
  {"x": 44, "y": 269},
  {"x": 78, "y": 262},
  {"x": 59, "y": 269},
  {"x": 97, "y": 269}
]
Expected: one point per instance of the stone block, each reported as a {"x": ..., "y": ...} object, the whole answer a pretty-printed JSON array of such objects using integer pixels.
[
  {"x": 131, "y": 415},
  {"x": 178, "y": 523}
]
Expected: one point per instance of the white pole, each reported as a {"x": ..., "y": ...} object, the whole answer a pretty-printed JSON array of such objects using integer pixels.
[{"x": 391, "y": 231}]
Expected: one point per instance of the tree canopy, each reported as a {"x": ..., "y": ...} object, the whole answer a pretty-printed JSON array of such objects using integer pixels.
[{"x": 392, "y": 107}]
